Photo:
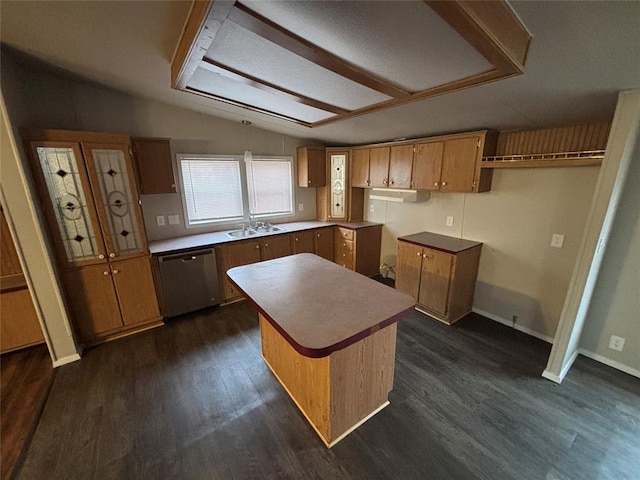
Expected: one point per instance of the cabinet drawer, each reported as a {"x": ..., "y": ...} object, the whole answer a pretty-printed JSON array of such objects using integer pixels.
[
  {"x": 345, "y": 233},
  {"x": 344, "y": 245},
  {"x": 344, "y": 256}
]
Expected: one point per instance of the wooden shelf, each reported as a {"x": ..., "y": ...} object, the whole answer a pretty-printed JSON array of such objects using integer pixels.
[{"x": 562, "y": 159}]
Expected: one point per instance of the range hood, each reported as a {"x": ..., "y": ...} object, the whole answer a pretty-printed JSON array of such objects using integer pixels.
[{"x": 397, "y": 195}]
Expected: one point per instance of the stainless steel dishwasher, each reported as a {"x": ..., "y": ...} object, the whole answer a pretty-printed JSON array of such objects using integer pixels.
[{"x": 189, "y": 281}]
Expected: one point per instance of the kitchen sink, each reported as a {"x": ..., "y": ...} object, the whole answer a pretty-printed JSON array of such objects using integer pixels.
[
  {"x": 267, "y": 229},
  {"x": 249, "y": 232},
  {"x": 241, "y": 233}
]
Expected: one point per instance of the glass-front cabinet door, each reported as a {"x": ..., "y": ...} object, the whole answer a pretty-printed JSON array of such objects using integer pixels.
[
  {"x": 112, "y": 179},
  {"x": 71, "y": 211}
]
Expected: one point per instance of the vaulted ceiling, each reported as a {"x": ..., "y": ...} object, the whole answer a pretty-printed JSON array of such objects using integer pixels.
[{"x": 580, "y": 56}]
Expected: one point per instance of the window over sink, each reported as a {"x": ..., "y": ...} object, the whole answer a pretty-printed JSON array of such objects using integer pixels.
[{"x": 226, "y": 188}]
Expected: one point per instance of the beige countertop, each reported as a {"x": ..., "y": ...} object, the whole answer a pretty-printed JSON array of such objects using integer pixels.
[
  {"x": 317, "y": 305},
  {"x": 440, "y": 242},
  {"x": 174, "y": 245}
]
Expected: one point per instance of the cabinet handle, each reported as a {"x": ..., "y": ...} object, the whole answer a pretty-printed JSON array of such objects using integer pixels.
[
  {"x": 116, "y": 271},
  {"x": 436, "y": 184},
  {"x": 100, "y": 256},
  {"x": 106, "y": 272},
  {"x": 111, "y": 255}
]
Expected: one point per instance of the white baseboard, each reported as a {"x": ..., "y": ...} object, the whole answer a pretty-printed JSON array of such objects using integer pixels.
[
  {"x": 508, "y": 323},
  {"x": 551, "y": 376},
  {"x": 558, "y": 378},
  {"x": 64, "y": 360},
  {"x": 612, "y": 363}
]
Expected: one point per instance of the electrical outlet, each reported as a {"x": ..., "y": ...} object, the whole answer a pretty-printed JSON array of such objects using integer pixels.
[
  {"x": 174, "y": 219},
  {"x": 301, "y": 207},
  {"x": 449, "y": 221},
  {"x": 372, "y": 208},
  {"x": 557, "y": 240},
  {"x": 616, "y": 343},
  {"x": 160, "y": 220}
]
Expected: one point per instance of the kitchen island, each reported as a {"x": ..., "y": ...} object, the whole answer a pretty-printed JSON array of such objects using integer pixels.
[{"x": 328, "y": 335}]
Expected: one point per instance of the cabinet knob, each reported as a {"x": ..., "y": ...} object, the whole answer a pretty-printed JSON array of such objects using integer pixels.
[
  {"x": 344, "y": 244},
  {"x": 368, "y": 182},
  {"x": 318, "y": 235},
  {"x": 173, "y": 185},
  {"x": 116, "y": 271},
  {"x": 444, "y": 183},
  {"x": 436, "y": 184},
  {"x": 106, "y": 272},
  {"x": 100, "y": 256},
  {"x": 392, "y": 182},
  {"x": 418, "y": 253},
  {"x": 266, "y": 245},
  {"x": 385, "y": 182},
  {"x": 309, "y": 182},
  {"x": 257, "y": 246},
  {"x": 296, "y": 239},
  {"x": 344, "y": 254},
  {"x": 111, "y": 255}
]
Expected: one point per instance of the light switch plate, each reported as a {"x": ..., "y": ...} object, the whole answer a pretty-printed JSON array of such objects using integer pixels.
[
  {"x": 174, "y": 219},
  {"x": 160, "y": 220},
  {"x": 557, "y": 240},
  {"x": 449, "y": 221},
  {"x": 372, "y": 208},
  {"x": 301, "y": 207}
]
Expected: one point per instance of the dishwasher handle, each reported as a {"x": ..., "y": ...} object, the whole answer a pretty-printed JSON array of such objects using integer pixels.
[{"x": 185, "y": 257}]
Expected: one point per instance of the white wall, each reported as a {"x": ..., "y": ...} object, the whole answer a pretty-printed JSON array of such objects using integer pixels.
[
  {"x": 520, "y": 274},
  {"x": 615, "y": 306}
]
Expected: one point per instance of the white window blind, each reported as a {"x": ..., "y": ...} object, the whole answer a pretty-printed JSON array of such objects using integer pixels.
[
  {"x": 270, "y": 187},
  {"x": 212, "y": 189}
]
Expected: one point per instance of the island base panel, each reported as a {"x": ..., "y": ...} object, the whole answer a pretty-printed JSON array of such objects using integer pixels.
[{"x": 339, "y": 392}]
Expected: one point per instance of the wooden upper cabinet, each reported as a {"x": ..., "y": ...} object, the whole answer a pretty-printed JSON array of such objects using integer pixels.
[
  {"x": 360, "y": 167},
  {"x": 427, "y": 165},
  {"x": 400, "y": 166},
  {"x": 113, "y": 185},
  {"x": 153, "y": 165},
  {"x": 312, "y": 170},
  {"x": 379, "y": 167},
  {"x": 452, "y": 163},
  {"x": 459, "y": 164}
]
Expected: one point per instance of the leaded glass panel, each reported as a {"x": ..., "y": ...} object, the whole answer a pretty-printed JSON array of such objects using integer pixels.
[
  {"x": 111, "y": 170},
  {"x": 61, "y": 174},
  {"x": 338, "y": 167}
]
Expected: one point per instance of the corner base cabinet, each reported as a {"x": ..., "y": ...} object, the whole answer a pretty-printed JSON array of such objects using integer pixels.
[{"x": 439, "y": 272}]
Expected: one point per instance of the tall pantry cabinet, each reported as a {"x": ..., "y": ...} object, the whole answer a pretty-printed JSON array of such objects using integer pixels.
[{"x": 87, "y": 189}]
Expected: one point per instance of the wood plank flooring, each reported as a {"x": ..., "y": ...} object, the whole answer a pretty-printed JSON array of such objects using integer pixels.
[
  {"x": 194, "y": 400},
  {"x": 25, "y": 378}
]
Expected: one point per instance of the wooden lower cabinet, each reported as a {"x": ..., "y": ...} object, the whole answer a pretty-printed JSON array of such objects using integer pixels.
[
  {"x": 19, "y": 325},
  {"x": 234, "y": 255},
  {"x": 323, "y": 241},
  {"x": 109, "y": 299},
  {"x": 358, "y": 249},
  {"x": 441, "y": 282},
  {"x": 276, "y": 246},
  {"x": 302, "y": 242}
]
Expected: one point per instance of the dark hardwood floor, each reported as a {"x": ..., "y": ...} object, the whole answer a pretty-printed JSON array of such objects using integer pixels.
[
  {"x": 194, "y": 400},
  {"x": 25, "y": 378}
]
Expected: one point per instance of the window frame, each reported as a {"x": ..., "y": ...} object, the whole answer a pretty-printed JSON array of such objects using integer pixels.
[{"x": 246, "y": 214}]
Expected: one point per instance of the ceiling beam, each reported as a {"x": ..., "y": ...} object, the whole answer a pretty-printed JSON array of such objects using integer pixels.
[
  {"x": 491, "y": 27},
  {"x": 247, "y": 106},
  {"x": 262, "y": 26},
  {"x": 265, "y": 86},
  {"x": 203, "y": 22}
]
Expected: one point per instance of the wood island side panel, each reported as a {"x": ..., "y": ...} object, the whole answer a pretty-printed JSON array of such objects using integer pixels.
[{"x": 339, "y": 392}]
